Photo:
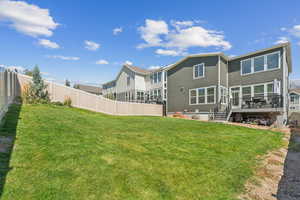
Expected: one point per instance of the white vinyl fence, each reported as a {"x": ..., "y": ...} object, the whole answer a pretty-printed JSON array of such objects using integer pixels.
[
  {"x": 81, "y": 99},
  {"x": 8, "y": 89}
]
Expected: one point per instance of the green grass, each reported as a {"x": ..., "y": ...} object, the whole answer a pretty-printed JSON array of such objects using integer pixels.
[{"x": 67, "y": 153}]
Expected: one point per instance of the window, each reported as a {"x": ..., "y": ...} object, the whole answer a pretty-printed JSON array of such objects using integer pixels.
[
  {"x": 273, "y": 61},
  {"x": 128, "y": 80},
  {"x": 198, "y": 70},
  {"x": 165, "y": 93},
  {"x": 211, "y": 95},
  {"x": 151, "y": 78},
  {"x": 156, "y": 77},
  {"x": 259, "y": 64},
  {"x": 246, "y": 93},
  {"x": 259, "y": 90},
  {"x": 193, "y": 96},
  {"x": 142, "y": 96},
  {"x": 246, "y": 66},
  {"x": 223, "y": 95},
  {"x": 138, "y": 94},
  {"x": 159, "y": 77},
  {"x": 270, "y": 91},
  {"x": 159, "y": 93},
  {"x": 294, "y": 99},
  {"x": 165, "y": 76},
  {"x": 201, "y": 95}
]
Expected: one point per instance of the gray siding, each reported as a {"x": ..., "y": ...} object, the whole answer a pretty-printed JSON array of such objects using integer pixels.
[
  {"x": 224, "y": 71},
  {"x": 235, "y": 78},
  {"x": 182, "y": 76}
]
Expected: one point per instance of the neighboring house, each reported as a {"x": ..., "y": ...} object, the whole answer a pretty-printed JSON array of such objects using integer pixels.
[
  {"x": 240, "y": 88},
  {"x": 89, "y": 88},
  {"x": 135, "y": 84},
  {"x": 294, "y": 100}
]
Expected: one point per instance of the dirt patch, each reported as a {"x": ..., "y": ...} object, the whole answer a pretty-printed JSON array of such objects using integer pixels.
[{"x": 278, "y": 178}]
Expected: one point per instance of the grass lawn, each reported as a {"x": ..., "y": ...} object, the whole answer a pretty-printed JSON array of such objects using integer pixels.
[{"x": 67, "y": 153}]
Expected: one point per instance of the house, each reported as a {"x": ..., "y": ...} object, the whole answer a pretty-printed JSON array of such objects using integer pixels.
[
  {"x": 242, "y": 88},
  {"x": 89, "y": 88},
  {"x": 294, "y": 105},
  {"x": 135, "y": 84}
]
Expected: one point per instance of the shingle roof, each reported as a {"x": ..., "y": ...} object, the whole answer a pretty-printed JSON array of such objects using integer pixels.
[
  {"x": 295, "y": 90},
  {"x": 137, "y": 69},
  {"x": 89, "y": 88}
]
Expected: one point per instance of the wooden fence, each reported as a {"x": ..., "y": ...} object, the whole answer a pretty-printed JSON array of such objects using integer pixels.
[{"x": 81, "y": 99}]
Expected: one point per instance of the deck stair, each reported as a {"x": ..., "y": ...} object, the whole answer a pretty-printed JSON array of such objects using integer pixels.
[{"x": 220, "y": 116}]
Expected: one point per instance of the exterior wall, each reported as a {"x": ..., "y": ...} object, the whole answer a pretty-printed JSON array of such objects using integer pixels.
[
  {"x": 140, "y": 83},
  {"x": 181, "y": 76},
  {"x": 235, "y": 78},
  {"x": 223, "y": 72},
  {"x": 121, "y": 82}
]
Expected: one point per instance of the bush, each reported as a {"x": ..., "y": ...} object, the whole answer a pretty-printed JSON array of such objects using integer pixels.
[
  {"x": 35, "y": 91},
  {"x": 68, "y": 102},
  {"x": 57, "y": 103}
]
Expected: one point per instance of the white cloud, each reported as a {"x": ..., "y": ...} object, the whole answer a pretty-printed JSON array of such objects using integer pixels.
[
  {"x": 166, "y": 52},
  {"x": 48, "y": 44},
  {"x": 116, "y": 31},
  {"x": 181, "y": 24},
  {"x": 282, "y": 40},
  {"x": 63, "y": 57},
  {"x": 154, "y": 67},
  {"x": 197, "y": 36},
  {"x": 183, "y": 35},
  {"x": 152, "y": 31},
  {"x": 27, "y": 18},
  {"x": 128, "y": 62},
  {"x": 283, "y": 29},
  {"x": 90, "y": 45},
  {"x": 102, "y": 62},
  {"x": 295, "y": 31}
]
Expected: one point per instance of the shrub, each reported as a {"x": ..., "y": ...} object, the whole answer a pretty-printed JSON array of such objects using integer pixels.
[
  {"x": 26, "y": 94},
  {"x": 68, "y": 101},
  {"x": 35, "y": 91},
  {"x": 38, "y": 87},
  {"x": 57, "y": 103}
]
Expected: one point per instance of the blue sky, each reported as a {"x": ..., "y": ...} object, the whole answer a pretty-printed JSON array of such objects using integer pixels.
[{"x": 87, "y": 41}]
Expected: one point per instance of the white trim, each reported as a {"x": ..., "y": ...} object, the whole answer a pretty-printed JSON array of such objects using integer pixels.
[
  {"x": 205, "y": 94},
  {"x": 265, "y": 64},
  {"x": 219, "y": 79},
  {"x": 198, "y": 72}
]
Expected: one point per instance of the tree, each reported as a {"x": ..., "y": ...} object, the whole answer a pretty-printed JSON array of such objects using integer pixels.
[
  {"x": 28, "y": 72},
  {"x": 38, "y": 91},
  {"x": 68, "y": 83},
  {"x": 76, "y": 86}
]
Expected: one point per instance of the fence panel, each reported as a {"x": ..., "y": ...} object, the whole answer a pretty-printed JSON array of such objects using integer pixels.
[
  {"x": 81, "y": 99},
  {"x": 8, "y": 89}
]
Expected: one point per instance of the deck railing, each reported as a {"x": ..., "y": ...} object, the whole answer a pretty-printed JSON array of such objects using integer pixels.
[{"x": 258, "y": 101}]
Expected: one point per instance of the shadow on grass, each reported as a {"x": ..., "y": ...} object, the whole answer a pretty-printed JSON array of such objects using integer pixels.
[
  {"x": 289, "y": 185},
  {"x": 8, "y": 130}
]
